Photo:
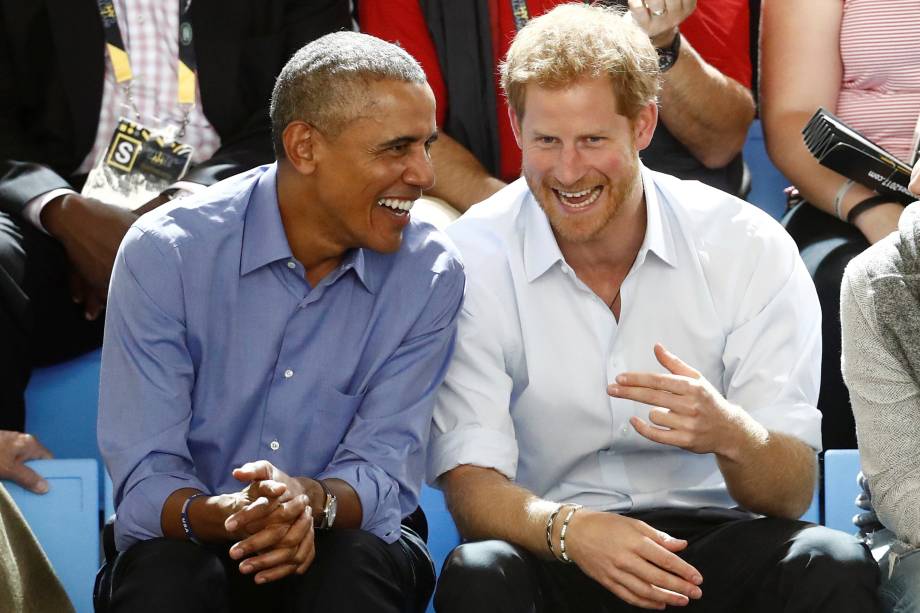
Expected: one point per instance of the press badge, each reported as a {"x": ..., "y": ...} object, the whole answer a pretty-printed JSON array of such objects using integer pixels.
[{"x": 137, "y": 165}]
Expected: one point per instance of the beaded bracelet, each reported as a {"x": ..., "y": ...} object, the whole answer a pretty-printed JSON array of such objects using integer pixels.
[
  {"x": 186, "y": 524},
  {"x": 550, "y": 521},
  {"x": 565, "y": 528}
]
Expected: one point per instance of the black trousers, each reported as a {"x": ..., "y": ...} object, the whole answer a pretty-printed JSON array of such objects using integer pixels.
[
  {"x": 39, "y": 323},
  {"x": 353, "y": 571},
  {"x": 749, "y": 565}
]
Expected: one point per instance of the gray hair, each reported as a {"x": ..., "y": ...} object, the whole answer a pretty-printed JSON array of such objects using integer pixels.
[{"x": 325, "y": 82}]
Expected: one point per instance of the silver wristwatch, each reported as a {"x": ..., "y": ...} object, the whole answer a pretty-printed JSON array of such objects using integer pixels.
[{"x": 327, "y": 517}]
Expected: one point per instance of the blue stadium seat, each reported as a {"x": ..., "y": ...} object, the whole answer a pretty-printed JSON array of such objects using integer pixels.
[
  {"x": 442, "y": 533},
  {"x": 61, "y": 406},
  {"x": 66, "y": 523},
  {"x": 840, "y": 488},
  {"x": 767, "y": 183}
]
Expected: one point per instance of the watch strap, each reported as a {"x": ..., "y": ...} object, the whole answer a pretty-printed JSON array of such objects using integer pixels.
[
  {"x": 322, "y": 520},
  {"x": 667, "y": 56}
]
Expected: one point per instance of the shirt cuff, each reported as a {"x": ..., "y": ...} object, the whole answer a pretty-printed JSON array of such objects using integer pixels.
[
  {"x": 802, "y": 421},
  {"x": 33, "y": 208},
  {"x": 379, "y": 496},
  {"x": 476, "y": 446},
  {"x": 137, "y": 516}
]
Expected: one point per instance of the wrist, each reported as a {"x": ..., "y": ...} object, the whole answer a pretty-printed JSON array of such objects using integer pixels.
[
  {"x": 54, "y": 214},
  {"x": 744, "y": 434},
  {"x": 665, "y": 39}
]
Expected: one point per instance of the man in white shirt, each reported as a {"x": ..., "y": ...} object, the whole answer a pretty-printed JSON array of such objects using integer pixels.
[{"x": 636, "y": 371}]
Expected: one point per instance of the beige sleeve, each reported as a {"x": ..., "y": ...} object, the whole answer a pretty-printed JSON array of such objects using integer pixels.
[{"x": 886, "y": 405}]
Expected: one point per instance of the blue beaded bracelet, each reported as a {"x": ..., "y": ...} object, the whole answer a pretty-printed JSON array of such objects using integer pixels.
[{"x": 186, "y": 524}]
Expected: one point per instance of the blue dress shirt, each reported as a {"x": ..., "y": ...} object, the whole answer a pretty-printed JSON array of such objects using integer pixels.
[{"x": 218, "y": 352}]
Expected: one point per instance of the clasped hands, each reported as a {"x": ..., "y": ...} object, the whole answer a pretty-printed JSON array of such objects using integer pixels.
[
  {"x": 272, "y": 522},
  {"x": 631, "y": 559}
]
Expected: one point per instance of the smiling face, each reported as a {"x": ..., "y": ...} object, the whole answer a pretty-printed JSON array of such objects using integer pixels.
[
  {"x": 580, "y": 156},
  {"x": 367, "y": 177}
]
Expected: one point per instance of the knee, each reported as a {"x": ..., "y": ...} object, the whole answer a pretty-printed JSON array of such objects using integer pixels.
[
  {"x": 477, "y": 576},
  {"x": 195, "y": 576},
  {"x": 350, "y": 552},
  {"x": 830, "y": 559}
]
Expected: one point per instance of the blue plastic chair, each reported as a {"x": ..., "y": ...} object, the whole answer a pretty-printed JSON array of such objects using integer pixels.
[
  {"x": 767, "y": 183},
  {"x": 442, "y": 533},
  {"x": 841, "y": 467},
  {"x": 66, "y": 523}
]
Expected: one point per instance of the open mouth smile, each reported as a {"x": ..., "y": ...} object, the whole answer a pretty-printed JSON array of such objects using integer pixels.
[
  {"x": 397, "y": 206},
  {"x": 580, "y": 199}
]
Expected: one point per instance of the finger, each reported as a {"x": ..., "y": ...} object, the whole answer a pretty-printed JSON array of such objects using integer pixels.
[
  {"x": 673, "y": 384},
  {"x": 258, "y": 509},
  {"x": 683, "y": 405},
  {"x": 284, "y": 513},
  {"x": 660, "y": 549},
  {"x": 675, "y": 438},
  {"x": 649, "y": 592},
  {"x": 673, "y": 363},
  {"x": 77, "y": 287},
  {"x": 269, "y": 488},
  {"x": 276, "y": 573},
  {"x": 669, "y": 419},
  {"x": 32, "y": 449},
  {"x": 278, "y": 556},
  {"x": 627, "y": 596},
  {"x": 307, "y": 551},
  {"x": 656, "y": 577},
  {"x": 253, "y": 471},
  {"x": 263, "y": 539},
  {"x": 28, "y": 478},
  {"x": 94, "y": 303}
]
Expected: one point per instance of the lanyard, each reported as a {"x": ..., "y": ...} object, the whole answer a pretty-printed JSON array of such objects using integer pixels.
[{"x": 121, "y": 64}]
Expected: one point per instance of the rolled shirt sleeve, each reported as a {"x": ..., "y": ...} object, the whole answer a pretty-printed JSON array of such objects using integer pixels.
[
  {"x": 772, "y": 355},
  {"x": 145, "y": 361},
  {"x": 382, "y": 456}
]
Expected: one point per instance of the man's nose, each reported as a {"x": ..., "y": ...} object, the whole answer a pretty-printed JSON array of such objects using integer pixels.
[
  {"x": 571, "y": 167},
  {"x": 420, "y": 170}
]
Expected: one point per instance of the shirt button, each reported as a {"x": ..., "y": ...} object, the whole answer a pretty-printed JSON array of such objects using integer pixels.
[
  {"x": 275, "y": 445},
  {"x": 288, "y": 373},
  {"x": 291, "y": 265}
]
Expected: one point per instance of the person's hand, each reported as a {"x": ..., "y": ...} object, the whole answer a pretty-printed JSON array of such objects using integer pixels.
[
  {"x": 661, "y": 18},
  {"x": 16, "y": 448},
  {"x": 687, "y": 411},
  {"x": 278, "y": 520},
  {"x": 634, "y": 561}
]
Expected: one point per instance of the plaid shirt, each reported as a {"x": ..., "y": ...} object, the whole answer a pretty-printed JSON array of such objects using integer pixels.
[{"x": 150, "y": 29}]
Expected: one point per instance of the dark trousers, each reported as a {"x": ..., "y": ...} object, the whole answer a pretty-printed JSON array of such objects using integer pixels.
[
  {"x": 749, "y": 565},
  {"x": 353, "y": 571},
  {"x": 39, "y": 323}
]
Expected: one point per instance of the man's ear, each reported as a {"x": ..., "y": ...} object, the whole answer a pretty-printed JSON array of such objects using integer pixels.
[
  {"x": 298, "y": 138},
  {"x": 644, "y": 125},
  {"x": 515, "y": 127}
]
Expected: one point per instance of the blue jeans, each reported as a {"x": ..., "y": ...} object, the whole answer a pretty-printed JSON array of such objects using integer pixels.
[{"x": 900, "y": 570}]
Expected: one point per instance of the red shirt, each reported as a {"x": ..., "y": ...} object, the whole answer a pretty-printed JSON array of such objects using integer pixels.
[{"x": 718, "y": 29}]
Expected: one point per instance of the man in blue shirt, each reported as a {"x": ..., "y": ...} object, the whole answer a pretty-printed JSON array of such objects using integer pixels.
[{"x": 271, "y": 352}]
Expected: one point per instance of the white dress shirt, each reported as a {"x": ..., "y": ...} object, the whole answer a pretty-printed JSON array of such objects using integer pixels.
[{"x": 716, "y": 280}]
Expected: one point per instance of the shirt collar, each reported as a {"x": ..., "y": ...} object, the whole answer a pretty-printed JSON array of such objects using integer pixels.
[
  {"x": 264, "y": 239},
  {"x": 541, "y": 251}
]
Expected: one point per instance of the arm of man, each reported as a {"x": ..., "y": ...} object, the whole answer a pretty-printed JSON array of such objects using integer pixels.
[
  {"x": 886, "y": 405},
  {"x": 801, "y": 74},
  {"x": 145, "y": 404},
  {"x": 761, "y": 423},
  {"x": 706, "y": 110},
  {"x": 377, "y": 468},
  {"x": 462, "y": 180},
  {"x": 473, "y": 455}
]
